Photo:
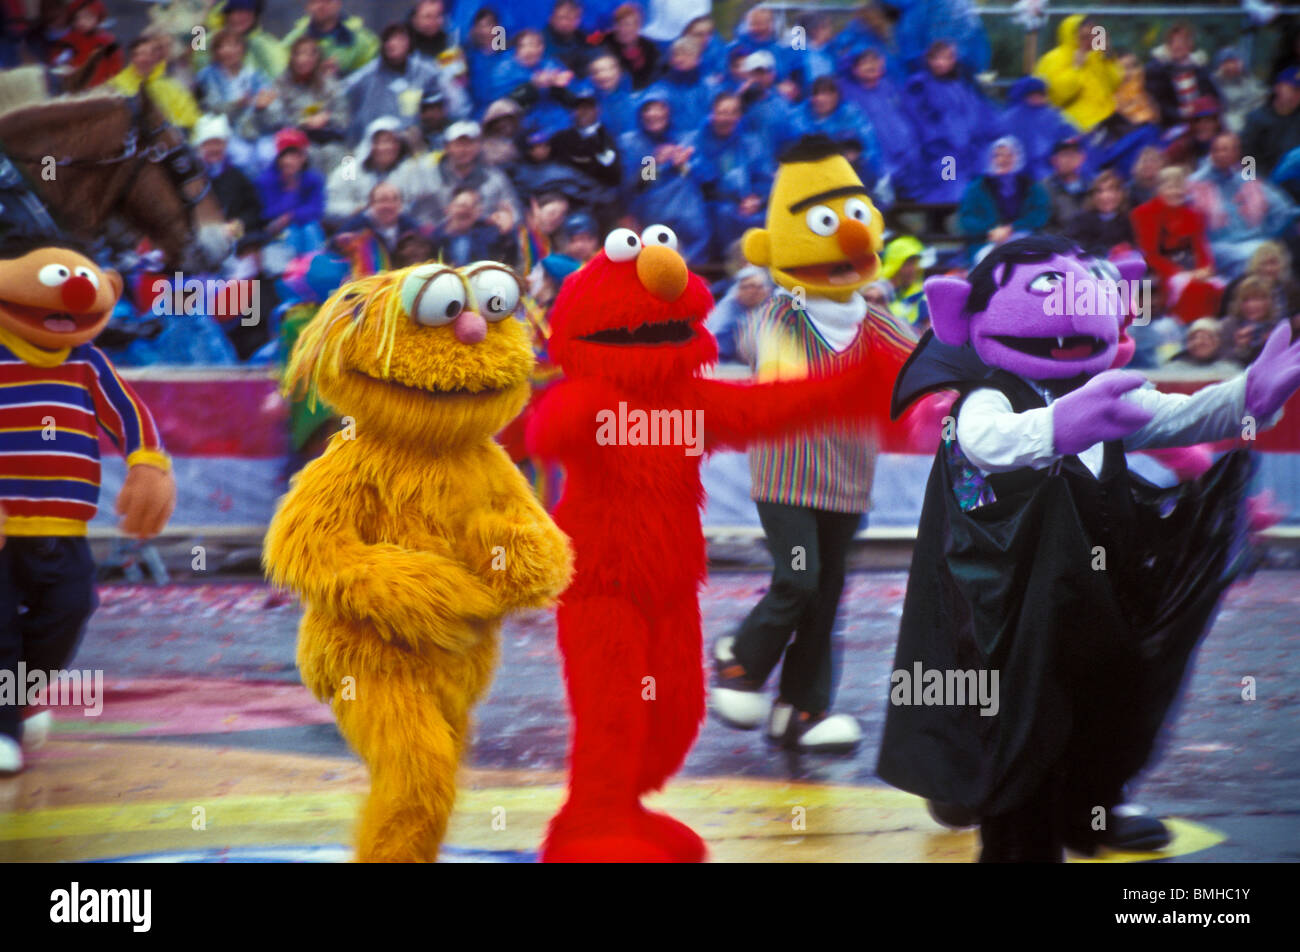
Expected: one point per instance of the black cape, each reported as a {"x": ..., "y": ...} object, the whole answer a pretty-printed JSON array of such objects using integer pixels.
[{"x": 1089, "y": 659}]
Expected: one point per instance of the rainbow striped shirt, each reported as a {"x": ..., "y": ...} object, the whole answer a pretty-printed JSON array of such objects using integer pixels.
[
  {"x": 51, "y": 403},
  {"x": 831, "y": 468}
]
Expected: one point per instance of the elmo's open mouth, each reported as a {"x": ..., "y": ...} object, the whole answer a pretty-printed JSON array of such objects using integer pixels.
[
  {"x": 853, "y": 271},
  {"x": 1075, "y": 347},
  {"x": 661, "y": 332},
  {"x": 60, "y": 322}
]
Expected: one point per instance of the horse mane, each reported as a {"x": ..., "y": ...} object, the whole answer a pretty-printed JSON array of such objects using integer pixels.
[{"x": 24, "y": 88}]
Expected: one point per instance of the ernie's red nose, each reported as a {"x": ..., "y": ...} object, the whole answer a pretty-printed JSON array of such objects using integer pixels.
[{"x": 78, "y": 293}]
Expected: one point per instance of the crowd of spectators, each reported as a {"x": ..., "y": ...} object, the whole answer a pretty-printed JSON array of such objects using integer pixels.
[{"x": 523, "y": 132}]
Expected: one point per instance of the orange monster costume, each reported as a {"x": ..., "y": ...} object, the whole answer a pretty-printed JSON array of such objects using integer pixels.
[
  {"x": 630, "y": 422},
  {"x": 56, "y": 391},
  {"x": 413, "y": 534}
]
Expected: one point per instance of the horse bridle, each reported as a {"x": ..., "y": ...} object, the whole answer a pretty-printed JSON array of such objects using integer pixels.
[{"x": 177, "y": 160}]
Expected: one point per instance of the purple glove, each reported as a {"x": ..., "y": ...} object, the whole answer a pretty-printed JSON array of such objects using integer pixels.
[
  {"x": 1274, "y": 375},
  {"x": 1098, "y": 412}
]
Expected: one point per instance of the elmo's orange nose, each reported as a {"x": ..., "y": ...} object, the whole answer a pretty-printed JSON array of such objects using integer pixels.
[
  {"x": 854, "y": 238},
  {"x": 662, "y": 272},
  {"x": 78, "y": 293}
]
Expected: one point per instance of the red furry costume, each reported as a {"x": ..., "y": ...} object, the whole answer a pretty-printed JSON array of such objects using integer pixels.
[{"x": 632, "y": 332}]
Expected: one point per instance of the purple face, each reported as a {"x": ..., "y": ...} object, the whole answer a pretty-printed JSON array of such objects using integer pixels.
[{"x": 1047, "y": 320}]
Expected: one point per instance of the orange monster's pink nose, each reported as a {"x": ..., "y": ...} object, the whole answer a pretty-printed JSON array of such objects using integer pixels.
[{"x": 470, "y": 327}]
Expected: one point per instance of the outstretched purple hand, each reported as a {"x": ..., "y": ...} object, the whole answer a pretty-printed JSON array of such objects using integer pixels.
[
  {"x": 1274, "y": 375},
  {"x": 1098, "y": 412}
]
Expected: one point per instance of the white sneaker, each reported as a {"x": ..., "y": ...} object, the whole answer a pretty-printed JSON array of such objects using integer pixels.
[
  {"x": 737, "y": 702},
  {"x": 778, "y": 722},
  {"x": 36, "y": 729},
  {"x": 835, "y": 733},
  {"x": 11, "y": 756}
]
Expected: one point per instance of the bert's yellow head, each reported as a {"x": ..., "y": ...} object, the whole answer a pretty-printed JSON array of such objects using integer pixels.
[
  {"x": 429, "y": 353},
  {"x": 823, "y": 233}
]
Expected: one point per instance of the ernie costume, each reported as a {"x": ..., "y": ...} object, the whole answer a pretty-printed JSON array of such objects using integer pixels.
[{"x": 56, "y": 391}]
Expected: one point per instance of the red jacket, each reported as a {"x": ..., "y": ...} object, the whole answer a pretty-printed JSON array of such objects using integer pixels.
[
  {"x": 1171, "y": 236},
  {"x": 79, "y": 47}
]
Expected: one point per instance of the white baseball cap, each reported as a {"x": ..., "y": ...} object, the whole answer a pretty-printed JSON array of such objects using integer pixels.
[{"x": 464, "y": 129}]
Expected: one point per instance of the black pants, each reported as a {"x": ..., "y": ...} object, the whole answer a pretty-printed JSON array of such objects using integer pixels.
[
  {"x": 809, "y": 547},
  {"x": 52, "y": 578}
]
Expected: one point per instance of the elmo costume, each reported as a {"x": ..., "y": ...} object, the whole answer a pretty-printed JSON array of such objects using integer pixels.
[{"x": 628, "y": 331}]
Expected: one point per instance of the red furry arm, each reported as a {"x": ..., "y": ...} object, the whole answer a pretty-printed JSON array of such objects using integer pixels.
[
  {"x": 565, "y": 419},
  {"x": 736, "y": 415}
]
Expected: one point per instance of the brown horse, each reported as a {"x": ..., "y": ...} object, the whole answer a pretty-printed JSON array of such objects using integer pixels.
[{"x": 95, "y": 157}]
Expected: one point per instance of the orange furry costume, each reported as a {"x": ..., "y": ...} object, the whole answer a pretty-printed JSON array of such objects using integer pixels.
[{"x": 414, "y": 533}]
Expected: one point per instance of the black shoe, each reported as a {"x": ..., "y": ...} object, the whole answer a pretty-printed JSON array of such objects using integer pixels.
[
  {"x": 951, "y": 815},
  {"x": 1130, "y": 830}
]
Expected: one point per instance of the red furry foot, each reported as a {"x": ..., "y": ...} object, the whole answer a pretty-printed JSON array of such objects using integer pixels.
[
  {"x": 603, "y": 837},
  {"x": 675, "y": 836}
]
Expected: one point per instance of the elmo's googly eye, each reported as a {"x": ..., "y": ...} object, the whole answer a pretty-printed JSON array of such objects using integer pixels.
[
  {"x": 659, "y": 235},
  {"x": 822, "y": 221},
  {"x": 622, "y": 244},
  {"x": 89, "y": 275},
  {"x": 433, "y": 295},
  {"x": 52, "y": 275},
  {"x": 496, "y": 293},
  {"x": 858, "y": 210}
]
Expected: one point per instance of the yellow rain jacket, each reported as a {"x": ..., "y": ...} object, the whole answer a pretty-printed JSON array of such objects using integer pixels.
[
  {"x": 171, "y": 98},
  {"x": 1086, "y": 94}
]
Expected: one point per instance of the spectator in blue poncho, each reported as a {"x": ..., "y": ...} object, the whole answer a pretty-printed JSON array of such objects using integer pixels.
[
  {"x": 713, "y": 58},
  {"x": 865, "y": 86},
  {"x": 874, "y": 28},
  {"x": 1003, "y": 203},
  {"x": 733, "y": 172},
  {"x": 758, "y": 32},
  {"x": 484, "y": 49},
  {"x": 690, "y": 92},
  {"x": 530, "y": 77},
  {"x": 657, "y": 183},
  {"x": 812, "y": 52},
  {"x": 1035, "y": 122},
  {"x": 826, "y": 113},
  {"x": 768, "y": 115},
  {"x": 565, "y": 39},
  {"x": 613, "y": 93},
  {"x": 952, "y": 124},
  {"x": 924, "y": 22}
]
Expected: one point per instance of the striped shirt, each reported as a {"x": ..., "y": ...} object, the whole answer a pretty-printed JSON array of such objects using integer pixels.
[
  {"x": 832, "y": 467},
  {"x": 51, "y": 405}
]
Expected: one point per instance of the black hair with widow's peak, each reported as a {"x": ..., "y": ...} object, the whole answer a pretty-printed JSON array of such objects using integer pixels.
[
  {"x": 811, "y": 148},
  {"x": 17, "y": 244},
  {"x": 983, "y": 277}
]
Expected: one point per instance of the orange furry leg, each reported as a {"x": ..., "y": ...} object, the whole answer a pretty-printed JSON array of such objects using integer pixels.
[{"x": 408, "y": 721}]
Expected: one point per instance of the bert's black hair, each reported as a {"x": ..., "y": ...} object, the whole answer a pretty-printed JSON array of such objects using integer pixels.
[
  {"x": 811, "y": 148},
  {"x": 17, "y": 244},
  {"x": 982, "y": 277}
]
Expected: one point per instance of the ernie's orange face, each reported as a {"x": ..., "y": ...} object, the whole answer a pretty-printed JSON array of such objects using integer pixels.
[{"x": 56, "y": 298}]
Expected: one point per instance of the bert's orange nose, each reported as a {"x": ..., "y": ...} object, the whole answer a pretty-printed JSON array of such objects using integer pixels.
[
  {"x": 662, "y": 272},
  {"x": 854, "y": 238},
  {"x": 78, "y": 293}
]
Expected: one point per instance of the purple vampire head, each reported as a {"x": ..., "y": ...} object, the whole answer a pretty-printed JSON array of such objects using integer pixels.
[{"x": 1037, "y": 306}]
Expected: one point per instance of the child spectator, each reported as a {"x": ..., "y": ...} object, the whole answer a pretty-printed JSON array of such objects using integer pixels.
[
  {"x": 903, "y": 267},
  {"x": 85, "y": 41},
  {"x": 1172, "y": 237},
  {"x": 1178, "y": 80},
  {"x": 1102, "y": 227}
]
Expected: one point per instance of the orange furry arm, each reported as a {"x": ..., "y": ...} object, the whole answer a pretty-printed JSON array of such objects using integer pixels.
[
  {"x": 416, "y": 595},
  {"x": 527, "y": 561}
]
